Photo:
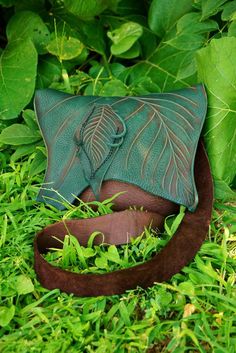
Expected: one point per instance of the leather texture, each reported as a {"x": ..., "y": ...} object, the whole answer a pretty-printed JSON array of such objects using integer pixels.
[{"x": 148, "y": 141}]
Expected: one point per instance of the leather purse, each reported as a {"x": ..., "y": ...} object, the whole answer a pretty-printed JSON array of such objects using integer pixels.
[{"x": 147, "y": 146}]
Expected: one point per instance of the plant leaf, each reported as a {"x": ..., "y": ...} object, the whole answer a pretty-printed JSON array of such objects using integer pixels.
[
  {"x": 29, "y": 25},
  {"x": 124, "y": 37},
  {"x": 163, "y": 14},
  {"x": 19, "y": 134},
  {"x": 65, "y": 48},
  {"x": 38, "y": 165},
  {"x": 192, "y": 23},
  {"x": 24, "y": 285},
  {"x": 49, "y": 71},
  {"x": 216, "y": 69},
  {"x": 229, "y": 11},
  {"x": 114, "y": 88},
  {"x": 83, "y": 8},
  {"x": 18, "y": 64},
  {"x": 211, "y": 7},
  {"x": 6, "y": 315}
]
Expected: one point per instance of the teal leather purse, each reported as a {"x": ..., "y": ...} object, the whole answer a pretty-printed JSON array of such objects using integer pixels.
[
  {"x": 144, "y": 144},
  {"x": 149, "y": 141}
]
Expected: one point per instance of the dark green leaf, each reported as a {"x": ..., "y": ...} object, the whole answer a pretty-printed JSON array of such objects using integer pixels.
[
  {"x": 163, "y": 14},
  {"x": 23, "y": 150},
  {"x": 32, "y": 5},
  {"x": 29, "y": 25},
  {"x": 49, "y": 70},
  {"x": 188, "y": 41},
  {"x": 19, "y": 134},
  {"x": 216, "y": 69},
  {"x": 7, "y": 3},
  {"x": 85, "y": 9},
  {"x": 229, "y": 11},
  {"x": 39, "y": 164},
  {"x": 94, "y": 35},
  {"x": 211, "y": 7},
  {"x": 18, "y": 64},
  {"x": 192, "y": 23}
]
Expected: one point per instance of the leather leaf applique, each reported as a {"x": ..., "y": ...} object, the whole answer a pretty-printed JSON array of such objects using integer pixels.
[{"x": 101, "y": 132}]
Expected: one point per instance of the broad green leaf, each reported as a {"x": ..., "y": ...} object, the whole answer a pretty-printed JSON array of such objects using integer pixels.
[
  {"x": 29, "y": 25},
  {"x": 211, "y": 7},
  {"x": 187, "y": 41},
  {"x": 192, "y": 23},
  {"x": 65, "y": 48},
  {"x": 130, "y": 7},
  {"x": 83, "y": 8},
  {"x": 187, "y": 66},
  {"x": 19, "y": 134},
  {"x": 39, "y": 164},
  {"x": 187, "y": 288},
  {"x": 229, "y": 11},
  {"x": 216, "y": 69},
  {"x": 18, "y": 64},
  {"x": 101, "y": 262},
  {"x": 6, "y": 315},
  {"x": 93, "y": 35},
  {"x": 114, "y": 88},
  {"x": 49, "y": 70},
  {"x": 24, "y": 285},
  {"x": 163, "y": 14},
  {"x": 148, "y": 42},
  {"x": 163, "y": 66},
  {"x": 124, "y": 37}
]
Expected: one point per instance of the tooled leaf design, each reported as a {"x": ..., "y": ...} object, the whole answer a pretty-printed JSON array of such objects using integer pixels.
[
  {"x": 102, "y": 130},
  {"x": 173, "y": 118}
]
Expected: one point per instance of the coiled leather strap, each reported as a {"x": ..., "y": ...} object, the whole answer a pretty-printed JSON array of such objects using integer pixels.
[{"x": 117, "y": 229}]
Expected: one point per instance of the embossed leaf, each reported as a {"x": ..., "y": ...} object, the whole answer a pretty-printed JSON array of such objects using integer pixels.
[
  {"x": 98, "y": 134},
  {"x": 173, "y": 118}
]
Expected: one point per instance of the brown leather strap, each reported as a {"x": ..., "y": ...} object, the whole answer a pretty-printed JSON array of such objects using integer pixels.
[{"x": 117, "y": 229}]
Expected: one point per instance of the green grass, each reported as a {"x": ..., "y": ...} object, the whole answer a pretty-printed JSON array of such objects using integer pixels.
[{"x": 194, "y": 312}]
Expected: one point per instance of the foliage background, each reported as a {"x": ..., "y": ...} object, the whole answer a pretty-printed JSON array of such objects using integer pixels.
[{"x": 116, "y": 47}]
